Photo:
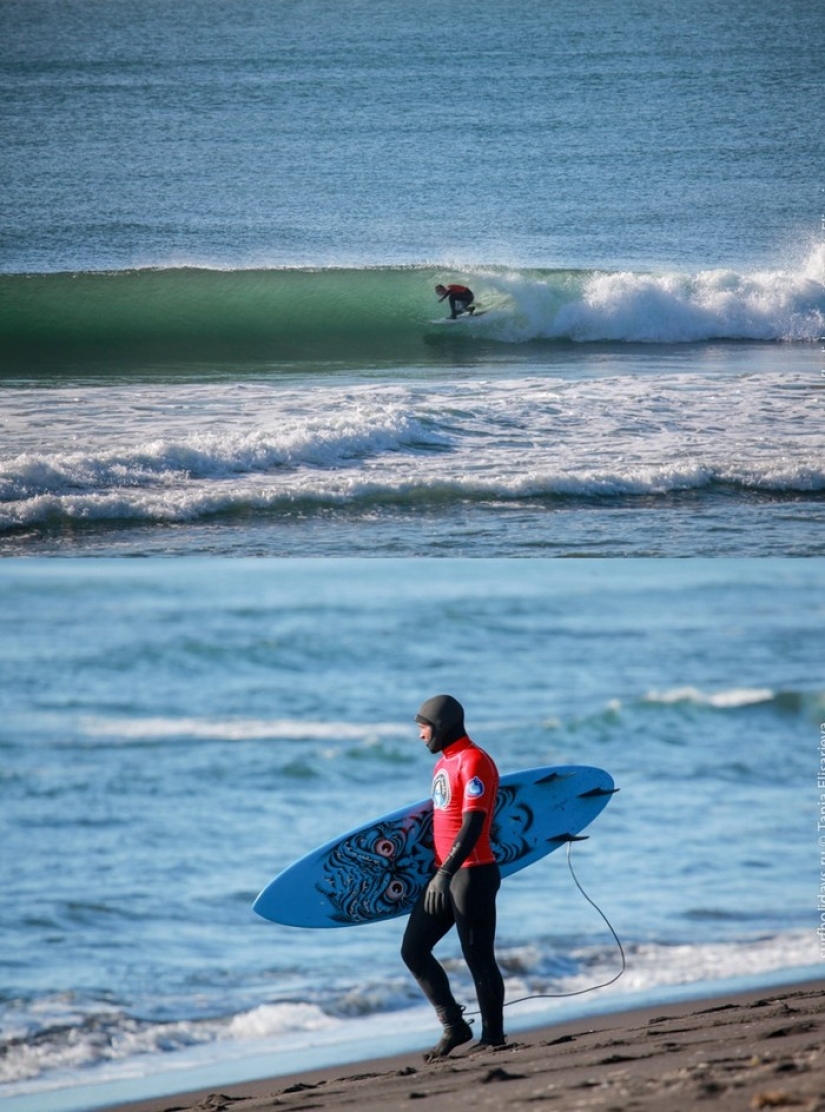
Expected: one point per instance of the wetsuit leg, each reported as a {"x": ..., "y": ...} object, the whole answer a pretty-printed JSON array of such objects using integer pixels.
[
  {"x": 461, "y": 302},
  {"x": 473, "y": 892},
  {"x": 423, "y": 933}
]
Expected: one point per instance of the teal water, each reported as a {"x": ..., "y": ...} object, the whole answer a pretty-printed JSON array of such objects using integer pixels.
[{"x": 176, "y": 732}]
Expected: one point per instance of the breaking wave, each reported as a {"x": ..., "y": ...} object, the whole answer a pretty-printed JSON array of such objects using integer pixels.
[{"x": 385, "y": 314}]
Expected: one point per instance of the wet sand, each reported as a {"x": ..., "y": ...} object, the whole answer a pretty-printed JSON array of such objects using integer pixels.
[{"x": 754, "y": 1050}]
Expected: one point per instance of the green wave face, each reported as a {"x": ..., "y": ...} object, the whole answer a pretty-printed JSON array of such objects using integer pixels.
[
  {"x": 380, "y": 316},
  {"x": 282, "y": 316}
]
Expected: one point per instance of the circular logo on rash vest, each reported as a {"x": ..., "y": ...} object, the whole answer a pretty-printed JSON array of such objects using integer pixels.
[
  {"x": 441, "y": 791},
  {"x": 474, "y": 789}
]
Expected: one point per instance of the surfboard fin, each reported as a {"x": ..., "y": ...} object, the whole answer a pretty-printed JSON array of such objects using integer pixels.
[
  {"x": 562, "y": 838},
  {"x": 556, "y": 776},
  {"x": 594, "y": 793}
]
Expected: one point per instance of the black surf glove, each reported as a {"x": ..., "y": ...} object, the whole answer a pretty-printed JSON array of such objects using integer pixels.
[{"x": 437, "y": 894}]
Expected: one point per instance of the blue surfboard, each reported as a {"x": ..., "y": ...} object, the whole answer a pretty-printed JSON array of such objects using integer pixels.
[{"x": 378, "y": 870}]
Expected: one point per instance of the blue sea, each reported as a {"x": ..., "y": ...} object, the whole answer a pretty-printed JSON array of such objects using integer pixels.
[
  {"x": 221, "y": 225},
  {"x": 175, "y": 732},
  {"x": 220, "y": 229}
]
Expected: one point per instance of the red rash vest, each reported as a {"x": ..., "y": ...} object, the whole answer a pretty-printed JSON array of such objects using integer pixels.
[{"x": 464, "y": 779}]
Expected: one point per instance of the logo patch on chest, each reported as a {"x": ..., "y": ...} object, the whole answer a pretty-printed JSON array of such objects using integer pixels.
[{"x": 441, "y": 791}]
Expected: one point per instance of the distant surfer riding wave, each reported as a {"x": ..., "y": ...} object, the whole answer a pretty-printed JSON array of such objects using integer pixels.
[{"x": 459, "y": 296}]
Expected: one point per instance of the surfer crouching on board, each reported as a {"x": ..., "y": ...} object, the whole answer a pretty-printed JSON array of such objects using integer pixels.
[
  {"x": 462, "y": 893},
  {"x": 458, "y": 295}
]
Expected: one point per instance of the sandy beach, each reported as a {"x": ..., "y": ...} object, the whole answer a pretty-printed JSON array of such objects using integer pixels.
[{"x": 754, "y": 1050}]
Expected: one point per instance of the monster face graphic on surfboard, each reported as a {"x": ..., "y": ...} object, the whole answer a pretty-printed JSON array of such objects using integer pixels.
[{"x": 377, "y": 871}]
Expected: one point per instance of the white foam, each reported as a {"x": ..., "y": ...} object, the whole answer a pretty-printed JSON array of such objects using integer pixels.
[
  {"x": 653, "y": 965},
  {"x": 70, "y": 1050},
  {"x": 269, "y": 1020},
  {"x": 623, "y": 435},
  {"x": 242, "y": 729},
  {"x": 723, "y": 700},
  {"x": 320, "y": 439},
  {"x": 666, "y": 308},
  {"x": 652, "y": 968}
]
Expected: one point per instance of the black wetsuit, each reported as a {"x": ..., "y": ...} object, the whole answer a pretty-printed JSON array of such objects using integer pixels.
[
  {"x": 459, "y": 296},
  {"x": 472, "y": 908},
  {"x": 465, "y": 788}
]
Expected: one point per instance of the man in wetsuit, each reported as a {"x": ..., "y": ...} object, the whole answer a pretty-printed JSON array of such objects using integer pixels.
[
  {"x": 463, "y": 890},
  {"x": 458, "y": 295}
]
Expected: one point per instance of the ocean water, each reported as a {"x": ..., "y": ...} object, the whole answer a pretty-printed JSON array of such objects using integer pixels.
[
  {"x": 173, "y": 733},
  {"x": 221, "y": 225},
  {"x": 220, "y": 228}
]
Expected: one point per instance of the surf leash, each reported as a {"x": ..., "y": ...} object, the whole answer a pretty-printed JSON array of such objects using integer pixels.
[{"x": 590, "y": 988}]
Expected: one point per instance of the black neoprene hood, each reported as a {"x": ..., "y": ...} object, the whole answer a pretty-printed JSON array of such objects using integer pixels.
[{"x": 446, "y": 716}]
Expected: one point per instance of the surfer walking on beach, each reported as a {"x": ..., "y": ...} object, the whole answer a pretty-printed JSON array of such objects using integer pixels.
[
  {"x": 462, "y": 893},
  {"x": 459, "y": 296}
]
